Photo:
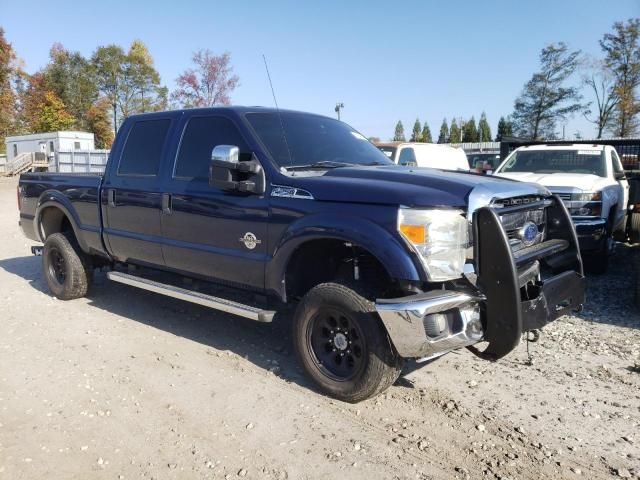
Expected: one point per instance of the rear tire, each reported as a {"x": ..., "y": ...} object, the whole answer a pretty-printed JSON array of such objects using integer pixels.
[
  {"x": 342, "y": 345},
  {"x": 66, "y": 267}
]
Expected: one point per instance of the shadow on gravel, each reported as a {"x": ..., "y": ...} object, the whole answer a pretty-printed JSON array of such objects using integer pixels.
[
  {"x": 267, "y": 346},
  {"x": 29, "y": 268},
  {"x": 611, "y": 297}
]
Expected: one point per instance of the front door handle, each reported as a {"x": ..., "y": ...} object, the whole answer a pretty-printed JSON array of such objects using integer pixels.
[
  {"x": 111, "y": 197},
  {"x": 166, "y": 203}
]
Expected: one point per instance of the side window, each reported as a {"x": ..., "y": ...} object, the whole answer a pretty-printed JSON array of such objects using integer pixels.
[
  {"x": 200, "y": 136},
  {"x": 143, "y": 148},
  {"x": 407, "y": 156}
]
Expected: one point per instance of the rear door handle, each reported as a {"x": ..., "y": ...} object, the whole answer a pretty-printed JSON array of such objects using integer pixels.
[
  {"x": 111, "y": 197},
  {"x": 166, "y": 203}
]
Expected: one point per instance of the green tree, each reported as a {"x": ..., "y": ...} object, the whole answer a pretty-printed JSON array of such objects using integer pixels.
[
  {"x": 129, "y": 80},
  {"x": 141, "y": 90},
  {"x": 454, "y": 132},
  {"x": 69, "y": 75},
  {"x": 545, "y": 100},
  {"x": 443, "y": 137},
  {"x": 399, "y": 133},
  {"x": 108, "y": 63},
  {"x": 484, "y": 130},
  {"x": 622, "y": 58},
  {"x": 416, "y": 134},
  {"x": 470, "y": 131},
  {"x": 505, "y": 129},
  {"x": 426, "y": 134}
]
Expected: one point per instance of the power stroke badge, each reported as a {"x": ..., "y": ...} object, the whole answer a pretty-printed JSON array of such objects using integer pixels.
[{"x": 250, "y": 240}]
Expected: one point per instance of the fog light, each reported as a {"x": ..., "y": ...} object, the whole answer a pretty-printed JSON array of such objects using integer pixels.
[
  {"x": 471, "y": 318},
  {"x": 435, "y": 324}
]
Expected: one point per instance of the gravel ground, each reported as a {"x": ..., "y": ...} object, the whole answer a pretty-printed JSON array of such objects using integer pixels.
[{"x": 128, "y": 384}]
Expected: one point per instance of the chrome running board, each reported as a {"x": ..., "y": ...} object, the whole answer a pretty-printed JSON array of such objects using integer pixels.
[{"x": 210, "y": 301}]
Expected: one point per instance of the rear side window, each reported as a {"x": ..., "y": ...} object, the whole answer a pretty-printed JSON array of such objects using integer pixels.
[
  {"x": 143, "y": 148},
  {"x": 201, "y": 135}
]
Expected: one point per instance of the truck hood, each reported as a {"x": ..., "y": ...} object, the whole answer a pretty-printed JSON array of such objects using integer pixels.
[
  {"x": 409, "y": 186},
  {"x": 581, "y": 181}
]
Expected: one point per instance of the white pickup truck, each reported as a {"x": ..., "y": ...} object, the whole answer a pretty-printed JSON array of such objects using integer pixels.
[{"x": 591, "y": 182}]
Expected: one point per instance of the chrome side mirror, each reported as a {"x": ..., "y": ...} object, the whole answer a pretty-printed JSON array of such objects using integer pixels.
[{"x": 225, "y": 153}]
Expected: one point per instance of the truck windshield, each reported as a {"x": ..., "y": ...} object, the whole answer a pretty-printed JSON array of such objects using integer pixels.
[
  {"x": 556, "y": 161},
  {"x": 313, "y": 141}
]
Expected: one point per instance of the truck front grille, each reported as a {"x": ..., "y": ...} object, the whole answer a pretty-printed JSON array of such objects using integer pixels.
[{"x": 514, "y": 222}]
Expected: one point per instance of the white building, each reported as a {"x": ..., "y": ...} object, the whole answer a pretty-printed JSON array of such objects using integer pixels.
[{"x": 48, "y": 143}]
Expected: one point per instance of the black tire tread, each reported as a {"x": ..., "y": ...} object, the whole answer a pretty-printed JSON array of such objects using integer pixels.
[
  {"x": 384, "y": 365},
  {"x": 634, "y": 231},
  {"x": 79, "y": 267}
]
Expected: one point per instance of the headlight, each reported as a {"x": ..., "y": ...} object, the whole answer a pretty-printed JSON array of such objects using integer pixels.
[
  {"x": 586, "y": 196},
  {"x": 440, "y": 237},
  {"x": 586, "y": 211}
]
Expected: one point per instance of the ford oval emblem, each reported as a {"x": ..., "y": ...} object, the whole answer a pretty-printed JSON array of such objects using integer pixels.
[{"x": 528, "y": 233}]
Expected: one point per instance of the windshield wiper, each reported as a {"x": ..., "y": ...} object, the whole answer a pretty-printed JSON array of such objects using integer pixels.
[{"x": 325, "y": 164}]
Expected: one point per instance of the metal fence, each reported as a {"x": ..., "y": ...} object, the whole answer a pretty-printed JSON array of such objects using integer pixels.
[
  {"x": 3, "y": 164},
  {"x": 79, "y": 161}
]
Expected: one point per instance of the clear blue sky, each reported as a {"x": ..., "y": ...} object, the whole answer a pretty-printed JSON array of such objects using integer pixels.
[{"x": 387, "y": 61}]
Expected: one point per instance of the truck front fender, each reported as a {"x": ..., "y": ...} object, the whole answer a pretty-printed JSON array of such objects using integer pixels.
[{"x": 389, "y": 250}]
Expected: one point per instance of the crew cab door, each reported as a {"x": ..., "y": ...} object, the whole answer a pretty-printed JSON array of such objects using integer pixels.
[
  {"x": 218, "y": 234},
  {"x": 131, "y": 199},
  {"x": 623, "y": 183}
]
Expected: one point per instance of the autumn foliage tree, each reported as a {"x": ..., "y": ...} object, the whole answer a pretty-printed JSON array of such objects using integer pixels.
[
  {"x": 99, "y": 123},
  {"x": 209, "y": 83},
  {"x": 7, "y": 95},
  {"x": 43, "y": 109}
]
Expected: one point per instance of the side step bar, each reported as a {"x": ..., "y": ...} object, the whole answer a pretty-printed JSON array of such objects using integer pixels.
[{"x": 210, "y": 301}]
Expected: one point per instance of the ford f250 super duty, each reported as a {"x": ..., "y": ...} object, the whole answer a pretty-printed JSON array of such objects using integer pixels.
[{"x": 383, "y": 262}]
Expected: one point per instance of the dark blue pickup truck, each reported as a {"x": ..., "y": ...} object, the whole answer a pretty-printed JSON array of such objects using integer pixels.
[{"x": 278, "y": 208}]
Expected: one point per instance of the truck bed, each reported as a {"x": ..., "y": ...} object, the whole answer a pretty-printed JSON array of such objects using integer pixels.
[{"x": 75, "y": 193}]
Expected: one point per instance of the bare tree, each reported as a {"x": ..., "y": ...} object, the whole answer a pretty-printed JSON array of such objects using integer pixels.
[{"x": 603, "y": 85}]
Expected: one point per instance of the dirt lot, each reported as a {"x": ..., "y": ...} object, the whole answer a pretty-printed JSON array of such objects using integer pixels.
[{"x": 129, "y": 384}]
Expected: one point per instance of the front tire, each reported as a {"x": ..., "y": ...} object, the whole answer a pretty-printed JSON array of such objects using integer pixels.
[
  {"x": 342, "y": 344},
  {"x": 66, "y": 268}
]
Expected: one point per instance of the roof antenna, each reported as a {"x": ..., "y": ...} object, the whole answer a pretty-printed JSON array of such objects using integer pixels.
[{"x": 284, "y": 135}]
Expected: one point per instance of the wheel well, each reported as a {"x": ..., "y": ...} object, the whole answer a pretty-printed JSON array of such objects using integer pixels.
[
  {"x": 54, "y": 220},
  {"x": 319, "y": 261}
]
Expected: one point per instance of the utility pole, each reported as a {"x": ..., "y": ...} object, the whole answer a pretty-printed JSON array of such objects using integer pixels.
[{"x": 339, "y": 106}]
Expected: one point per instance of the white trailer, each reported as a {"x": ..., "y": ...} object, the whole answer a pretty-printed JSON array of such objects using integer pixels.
[{"x": 48, "y": 143}]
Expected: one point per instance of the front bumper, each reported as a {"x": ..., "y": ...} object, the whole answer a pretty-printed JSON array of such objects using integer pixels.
[
  {"x": 591, "y": 232},
  {"x": 506, "y": 303}
]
